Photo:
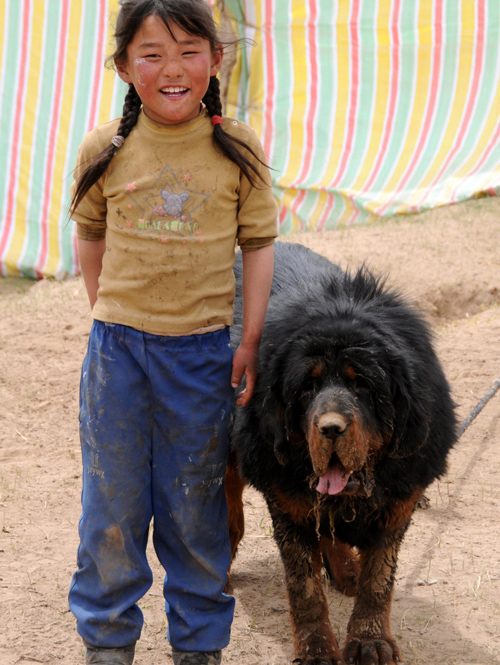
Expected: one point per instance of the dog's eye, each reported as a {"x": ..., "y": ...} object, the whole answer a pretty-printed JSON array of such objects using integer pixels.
[{"x": 361, "y": 389}]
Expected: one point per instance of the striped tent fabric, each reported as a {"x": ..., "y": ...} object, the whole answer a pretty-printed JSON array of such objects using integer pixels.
[
  {"x": 370, "y": 107},
  {"x": 365, "y": 108},
  {"x": 53, "y": 90}
]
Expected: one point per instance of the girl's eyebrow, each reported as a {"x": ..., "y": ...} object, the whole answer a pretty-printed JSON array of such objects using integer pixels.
[
  {"x": 184, "y": 42},
  {"x": 150, "y": 45}
]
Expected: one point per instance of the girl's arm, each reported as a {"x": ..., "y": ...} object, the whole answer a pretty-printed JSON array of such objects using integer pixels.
[
  {"x": 257, "y": 279},
  {"x": 90, "y": 253}
]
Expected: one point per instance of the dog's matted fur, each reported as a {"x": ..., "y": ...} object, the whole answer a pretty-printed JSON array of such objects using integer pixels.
[{"x": 350, "y": 421}]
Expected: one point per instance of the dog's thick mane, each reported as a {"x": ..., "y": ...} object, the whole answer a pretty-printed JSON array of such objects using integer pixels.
[{"x": 350, "y": 420}]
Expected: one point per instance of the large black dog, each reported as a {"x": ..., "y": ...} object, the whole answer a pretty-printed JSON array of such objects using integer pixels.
[{"x": 350, "y": 421}]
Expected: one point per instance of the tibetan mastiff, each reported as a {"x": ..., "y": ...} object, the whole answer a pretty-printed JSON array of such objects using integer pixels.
[{"x": 350, "y": 421}]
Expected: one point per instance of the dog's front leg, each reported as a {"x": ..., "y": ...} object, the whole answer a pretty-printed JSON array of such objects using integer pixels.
[
  {"x": 314, "y": 641},
  {"x": 369, "y": 639}
]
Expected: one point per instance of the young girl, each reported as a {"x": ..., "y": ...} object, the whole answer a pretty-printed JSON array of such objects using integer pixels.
[{"x": 161, "y": 197}]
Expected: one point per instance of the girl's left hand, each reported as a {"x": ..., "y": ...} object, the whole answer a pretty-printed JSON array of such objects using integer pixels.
[{"x": 245, "y": 362}]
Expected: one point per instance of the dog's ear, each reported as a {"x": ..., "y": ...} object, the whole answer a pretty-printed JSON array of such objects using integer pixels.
[
  {"x": 411, "y": 419},
  {"x": 273, "y": 426}
]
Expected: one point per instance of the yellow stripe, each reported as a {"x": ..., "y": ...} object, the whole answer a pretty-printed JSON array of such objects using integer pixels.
[
  {"x": 106, "y": 102},
  {"x": 63, "y": 137},
  {"x": 420, "y": 100},
  {"x": 256, "y": 83},
  {"x": 299, "y": 101},
  {"x": 485, "y": 138},
  {"x": 26, "y": 139},
  {"x": 315, "y": 215},
  {"x": 288, "y": 197},
  {"x": 343, "y": 88},
  {"x": 382, "y": 94},
  {"x": 464, "y": 74}
]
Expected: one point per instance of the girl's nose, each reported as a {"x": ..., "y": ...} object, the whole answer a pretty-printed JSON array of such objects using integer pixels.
[{"x": 172, "y": 67}]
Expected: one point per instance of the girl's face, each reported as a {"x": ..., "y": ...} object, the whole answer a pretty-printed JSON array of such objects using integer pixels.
[{"x": 171, "y": 76}]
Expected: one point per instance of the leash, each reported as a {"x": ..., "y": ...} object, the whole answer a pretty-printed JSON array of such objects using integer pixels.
[{"x": 478, "y": 408}]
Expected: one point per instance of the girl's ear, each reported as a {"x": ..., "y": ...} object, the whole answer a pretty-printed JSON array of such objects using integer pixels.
[
  {"x": 122, "y": 69},
  {"x": 217, "y": 56}
]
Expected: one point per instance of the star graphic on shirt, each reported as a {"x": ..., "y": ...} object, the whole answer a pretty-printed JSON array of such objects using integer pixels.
[
  {"x": 131, "y": 187},
  {"x": 187, "y": 177},
  {"x": 151, "y": 201}
]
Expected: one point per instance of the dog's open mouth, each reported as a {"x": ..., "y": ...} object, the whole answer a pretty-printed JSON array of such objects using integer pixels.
[
  {"x": 337, "y": 479},
  {"x": 334, "y": 480}
]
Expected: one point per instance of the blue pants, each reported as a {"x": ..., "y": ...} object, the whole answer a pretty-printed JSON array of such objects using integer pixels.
[{"x": 154, "y": 413}]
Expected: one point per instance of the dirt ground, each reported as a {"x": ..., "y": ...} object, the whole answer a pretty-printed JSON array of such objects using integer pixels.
[{"x": 447, "y": 598}]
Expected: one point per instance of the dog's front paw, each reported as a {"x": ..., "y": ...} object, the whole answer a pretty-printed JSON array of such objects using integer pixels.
[{"x": 371, "y": 652}]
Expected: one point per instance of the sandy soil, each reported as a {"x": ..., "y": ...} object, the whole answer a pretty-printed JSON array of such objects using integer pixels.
[{"x": 447, "y": 600}]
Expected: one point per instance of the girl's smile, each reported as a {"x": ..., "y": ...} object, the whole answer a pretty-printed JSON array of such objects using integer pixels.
[{"x": 170, "y": 70}]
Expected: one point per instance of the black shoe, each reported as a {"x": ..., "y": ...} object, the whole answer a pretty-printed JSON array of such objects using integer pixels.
[
  {"x": 196, "y": 657},
  {"x": 102, "y": 656}
]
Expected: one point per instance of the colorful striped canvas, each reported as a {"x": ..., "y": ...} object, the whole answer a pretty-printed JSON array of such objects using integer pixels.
[
  {"x": 53, "y": 89},
  {"x": 371, "y": 107},
  {"x": 365, "y": 108}
]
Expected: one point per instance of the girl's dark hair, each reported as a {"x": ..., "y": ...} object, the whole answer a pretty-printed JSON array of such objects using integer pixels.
[{"x": 194, "y": 17}]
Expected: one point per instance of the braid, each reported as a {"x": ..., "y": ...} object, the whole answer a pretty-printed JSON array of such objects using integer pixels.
[
  {"x": 130, "y": 113},
  {"x": 227, "y": 143},
  {"x": 212, "y": 97},
  {"x": 98, "y": 166}
]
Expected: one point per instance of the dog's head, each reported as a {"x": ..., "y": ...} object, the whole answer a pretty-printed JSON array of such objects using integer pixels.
[{"x": 346, "y": 392}]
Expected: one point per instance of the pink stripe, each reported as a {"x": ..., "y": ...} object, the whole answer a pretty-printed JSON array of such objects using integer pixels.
[
  {"x": 96, "y": 91},
  {"x": 312, "y": 92},
  {"x": 393, "y": 95},
  {"x": 282, "y": 215},
  {"x": 355, "y": 214},
  {"x": 466, "y": 120},
  {"x": 295, "y": 205},
  {"x": 270, "y": 77},
  {"x": 18, "y": 117},
  {"x": 431, "y": 106},
  {"x": 326, "y": 212},
  {"x": 354, "y": 42},
  {"x": 487, "y": 152},
  {"x": 52, "y": 145},
  {"x": 101, "y": 49}
]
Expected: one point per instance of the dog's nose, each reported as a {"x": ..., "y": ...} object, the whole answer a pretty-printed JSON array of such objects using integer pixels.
[{"x": 332, "y": 425}]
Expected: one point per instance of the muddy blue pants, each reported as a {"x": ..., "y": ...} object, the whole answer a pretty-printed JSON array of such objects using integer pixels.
[{"x": 154, "y": 415}]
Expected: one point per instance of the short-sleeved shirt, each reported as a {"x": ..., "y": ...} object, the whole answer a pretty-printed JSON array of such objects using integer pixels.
[{"x": 171, "y": 208}]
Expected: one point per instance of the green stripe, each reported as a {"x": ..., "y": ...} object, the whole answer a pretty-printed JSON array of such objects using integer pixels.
[
  {"x": 405, "y": 96},
  {"x": 12, "y": 38},
  {"x": 487, "y": 95},
  {"x": 87, "y": 48},
  {"x": 237, "y": 11},
  {"x": 307, "y": 206},
  {"x": 120, "y": 89},
  {"x": 367, "y": 92},
  {"x": 444, "y": 105},
  {"x": 41, "y": 138},
  {"x": 336, "y": 213},
  {"x": 326, "y": 83},
  {"x": 283, "y": 83}
]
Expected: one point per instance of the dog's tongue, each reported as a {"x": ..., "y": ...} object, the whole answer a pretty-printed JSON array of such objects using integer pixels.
[{"x": 334, "y": 480}]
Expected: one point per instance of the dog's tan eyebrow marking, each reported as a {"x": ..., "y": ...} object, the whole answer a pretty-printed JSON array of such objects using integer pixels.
[
  {"x": 316, "y": 370},
  {"x": 350, "y": 372}
]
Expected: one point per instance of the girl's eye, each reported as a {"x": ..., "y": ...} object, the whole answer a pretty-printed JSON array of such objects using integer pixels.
[
  {"x": 190, "y": 53},
  {"x": 152, "y": 56}
]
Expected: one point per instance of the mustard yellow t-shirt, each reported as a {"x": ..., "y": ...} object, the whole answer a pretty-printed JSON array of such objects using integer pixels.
[{"x": 171, "y": 208}]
